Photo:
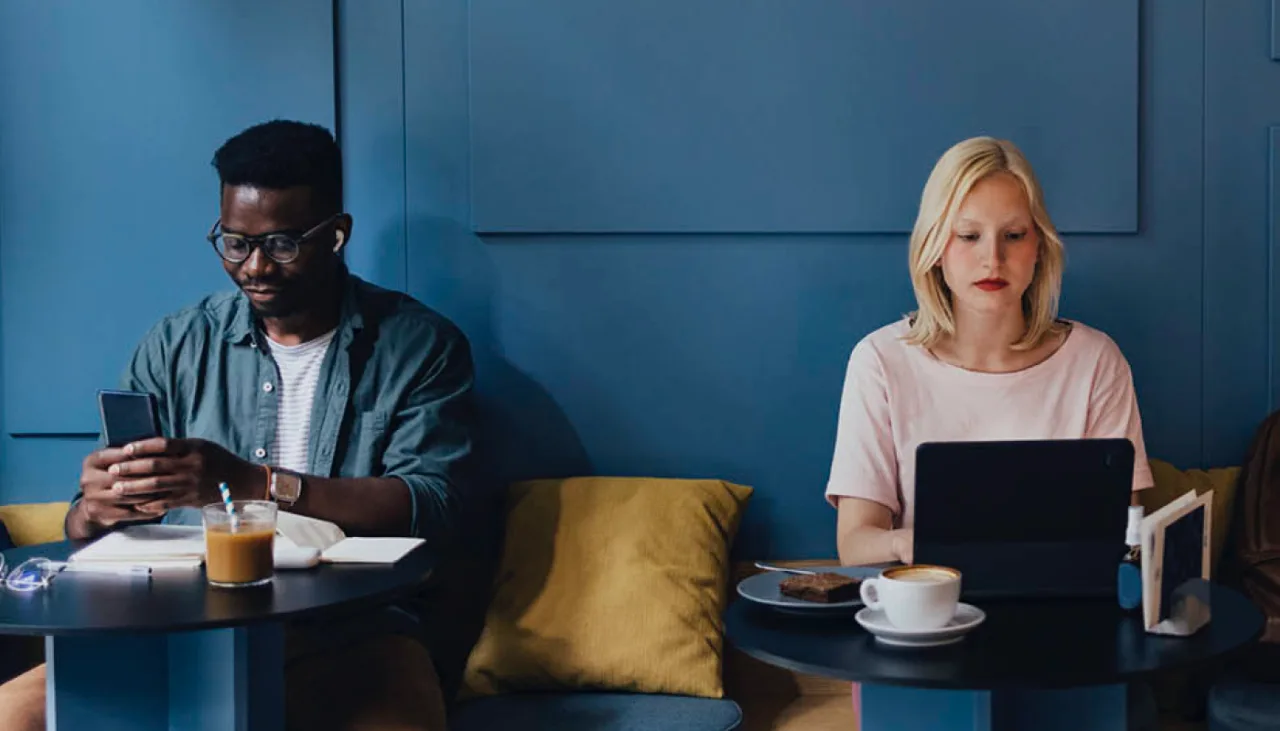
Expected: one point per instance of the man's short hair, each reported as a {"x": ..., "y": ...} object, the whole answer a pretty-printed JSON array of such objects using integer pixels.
[{"x": 284, "y": 154}]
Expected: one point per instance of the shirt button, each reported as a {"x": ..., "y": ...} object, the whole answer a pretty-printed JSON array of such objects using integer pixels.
[
  {"x": 259, "y": 452},
  {"x": 268, "y": 387}
]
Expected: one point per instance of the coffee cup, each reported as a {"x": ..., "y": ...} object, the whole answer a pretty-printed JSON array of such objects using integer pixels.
[
  {"x": 240, "y": 544},
  {"x": 918, "y": 597}
]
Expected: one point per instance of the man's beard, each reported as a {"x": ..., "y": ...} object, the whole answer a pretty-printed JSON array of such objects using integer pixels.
[
  {"x": 276, "y": 309},
  {"x": 286, "y": 302}
]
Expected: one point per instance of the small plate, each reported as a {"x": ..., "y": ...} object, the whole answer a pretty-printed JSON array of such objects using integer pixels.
[
  {"x": 967, "y": 617},
  {"x": 763, "y": 589}
]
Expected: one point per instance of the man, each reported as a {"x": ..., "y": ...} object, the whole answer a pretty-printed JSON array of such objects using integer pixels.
[{"x": 342, "y": 401}]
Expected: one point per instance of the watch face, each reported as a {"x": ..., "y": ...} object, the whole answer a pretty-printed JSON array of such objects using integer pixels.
[{"x": 287, "y": 487}]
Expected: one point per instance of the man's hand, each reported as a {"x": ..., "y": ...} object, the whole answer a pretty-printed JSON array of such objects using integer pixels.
[
  {"x": 101, "y": 507},
  {"x": 162, "y": 474}
]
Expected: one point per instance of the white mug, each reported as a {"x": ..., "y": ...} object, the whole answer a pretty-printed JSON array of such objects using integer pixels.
[{"x": 914, "y": 597}]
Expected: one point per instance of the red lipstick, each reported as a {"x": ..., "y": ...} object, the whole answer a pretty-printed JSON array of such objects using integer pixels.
[{"x": 990, "y": 285}]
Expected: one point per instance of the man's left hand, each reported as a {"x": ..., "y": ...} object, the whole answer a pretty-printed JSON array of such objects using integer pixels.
[{"x": 179, "y": 473}]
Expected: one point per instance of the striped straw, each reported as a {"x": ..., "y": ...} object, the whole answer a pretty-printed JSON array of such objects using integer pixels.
[{"x": 231, "y": 511}]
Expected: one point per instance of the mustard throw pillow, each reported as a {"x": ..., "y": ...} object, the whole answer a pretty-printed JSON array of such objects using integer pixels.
[
  {"x": 31, "y": 523},
  {"x": 610, "y": 584}
]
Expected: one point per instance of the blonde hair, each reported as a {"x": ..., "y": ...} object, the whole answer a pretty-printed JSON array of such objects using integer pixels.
[{"x": 956, "y": 172}]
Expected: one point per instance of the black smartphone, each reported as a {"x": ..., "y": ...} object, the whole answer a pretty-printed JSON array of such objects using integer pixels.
[{"x": 128, "y": 416}]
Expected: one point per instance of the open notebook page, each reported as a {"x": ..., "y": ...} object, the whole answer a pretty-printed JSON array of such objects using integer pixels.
[
  {"x": 336, "y": 547},
  {"x": 182, "y": 546}
]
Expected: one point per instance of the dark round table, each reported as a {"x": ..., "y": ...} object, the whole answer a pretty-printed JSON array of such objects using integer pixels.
[
  {"x": 172, "y": 652},
  {"x": 1032, "y": 664}
]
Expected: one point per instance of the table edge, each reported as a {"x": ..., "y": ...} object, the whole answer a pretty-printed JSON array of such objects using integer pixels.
[
  {"x": 369, "y": 601},
  {"x": 1117, "y": 678}
]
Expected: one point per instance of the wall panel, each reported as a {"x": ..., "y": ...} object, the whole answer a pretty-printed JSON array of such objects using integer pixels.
[
  {"x": 1241, "y": 104},
  {"x": 709, "y": 338},
  {"x": 759, "y": 116},
  {"x": 109, "y": 117},
  {"x": 371, "y": 80}
]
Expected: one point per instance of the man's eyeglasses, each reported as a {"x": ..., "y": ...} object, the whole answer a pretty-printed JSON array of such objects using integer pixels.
[
  {"x": 32, "y": 574},
  {"x": 280, "y": 248},
  {"x": 37, "y": 573}
]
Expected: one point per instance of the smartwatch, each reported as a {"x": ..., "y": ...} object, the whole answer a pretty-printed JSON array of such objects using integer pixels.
[{"x": 286, "y": 487}]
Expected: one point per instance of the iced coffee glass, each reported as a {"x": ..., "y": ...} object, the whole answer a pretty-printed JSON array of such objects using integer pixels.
[{"x": 239, "y": 545}]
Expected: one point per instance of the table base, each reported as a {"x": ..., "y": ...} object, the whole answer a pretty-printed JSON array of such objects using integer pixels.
[
  {"x": 225, "y": 679},
  {"x": 894, "y": 708}
]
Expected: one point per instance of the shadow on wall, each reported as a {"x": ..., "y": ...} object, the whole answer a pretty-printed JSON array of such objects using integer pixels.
[{"x": 522, "y": 433}]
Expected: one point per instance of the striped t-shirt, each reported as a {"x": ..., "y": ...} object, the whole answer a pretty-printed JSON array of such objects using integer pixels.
[{"x": 299, "y": 367}]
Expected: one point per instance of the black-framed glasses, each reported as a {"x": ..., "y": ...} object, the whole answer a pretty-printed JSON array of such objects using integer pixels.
[{"x": 280, "y": 248}]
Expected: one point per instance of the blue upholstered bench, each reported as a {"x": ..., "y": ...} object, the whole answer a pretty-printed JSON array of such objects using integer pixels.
[
  {"x": 596, "y": 712},
  {"x": 1247, "y": 696},
  {"x": 1242, "y": 703}
]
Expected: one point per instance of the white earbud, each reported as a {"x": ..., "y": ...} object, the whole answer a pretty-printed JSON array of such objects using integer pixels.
[{"x": 339, "y": 238}]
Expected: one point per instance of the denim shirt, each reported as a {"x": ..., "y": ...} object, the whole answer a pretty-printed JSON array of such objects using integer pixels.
[{"x": 393, "y": 397}]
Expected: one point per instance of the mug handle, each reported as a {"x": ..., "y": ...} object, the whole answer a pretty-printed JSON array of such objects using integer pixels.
[{"x": 870, "y": 597}]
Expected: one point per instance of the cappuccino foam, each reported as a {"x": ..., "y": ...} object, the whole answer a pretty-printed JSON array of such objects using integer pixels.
[{"x": 922, "y": 574}]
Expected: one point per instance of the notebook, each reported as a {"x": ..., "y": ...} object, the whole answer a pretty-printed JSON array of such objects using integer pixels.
[
  {"x": 177, "y": 547},
  {"x": 160, "y": 547},
  {"x": 335, "y": 546}
]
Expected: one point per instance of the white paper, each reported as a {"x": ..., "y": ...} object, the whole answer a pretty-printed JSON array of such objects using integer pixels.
[
  {"x": 182, "y": 546},
  {"x": 161, "y": 548},
  {"x": 146, "y": 544},
  {"x": 370, "y": 550}
]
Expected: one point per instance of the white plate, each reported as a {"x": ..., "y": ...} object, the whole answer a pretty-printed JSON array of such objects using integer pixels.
[
  {"x": 967, "y": 618},
  {"x": 763, "y": 589}
]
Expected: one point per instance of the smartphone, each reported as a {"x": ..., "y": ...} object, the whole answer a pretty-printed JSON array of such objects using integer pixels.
[{"x": 128, "y": 416}]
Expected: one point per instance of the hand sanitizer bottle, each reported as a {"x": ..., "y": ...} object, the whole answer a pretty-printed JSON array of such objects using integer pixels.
[{"x": 1129, "y": 579}]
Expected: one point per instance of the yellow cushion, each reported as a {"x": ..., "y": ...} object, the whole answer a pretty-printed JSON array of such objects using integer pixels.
[
  {"x": 610, "y": 583},
  {"x": 34, "y": 522},
  {"x": 1171, "y": 482}
]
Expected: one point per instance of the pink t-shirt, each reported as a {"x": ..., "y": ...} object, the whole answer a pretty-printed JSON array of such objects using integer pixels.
[{"x": 897, "y": 396}]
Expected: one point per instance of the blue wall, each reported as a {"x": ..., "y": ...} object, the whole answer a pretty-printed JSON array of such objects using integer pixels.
[{"x": 662, "y": 226}]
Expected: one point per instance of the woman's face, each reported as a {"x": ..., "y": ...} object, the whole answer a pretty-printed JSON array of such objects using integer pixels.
[{"x": 990, "y": 259}]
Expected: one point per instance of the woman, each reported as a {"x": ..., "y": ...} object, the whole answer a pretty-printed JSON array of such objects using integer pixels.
[{"x": 984, "y": 357}]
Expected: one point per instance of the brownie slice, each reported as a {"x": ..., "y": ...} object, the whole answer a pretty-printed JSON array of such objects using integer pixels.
[{"x": 825, "y": 587}]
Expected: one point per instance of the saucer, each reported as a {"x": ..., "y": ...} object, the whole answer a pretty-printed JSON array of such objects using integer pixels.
[{"x": 874, "y": 621}]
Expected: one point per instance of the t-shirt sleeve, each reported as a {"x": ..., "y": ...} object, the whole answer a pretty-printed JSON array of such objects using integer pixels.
[
  {"x": 865, "y": 463},
  {"x": 1113, "y": 410}
]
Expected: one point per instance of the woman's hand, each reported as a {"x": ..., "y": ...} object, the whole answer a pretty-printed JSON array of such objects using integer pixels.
[{"x": 904, "y": 542}]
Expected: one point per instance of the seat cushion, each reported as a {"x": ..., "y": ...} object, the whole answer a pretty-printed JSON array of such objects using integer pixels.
[
  {"x": 1247, "y": 695},
  {"x": 1241, "y": 704},
  {"x": 31, "y": 523},
  {"x": 610, "y": 584},
  {"x": 595, "y": 711}
]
